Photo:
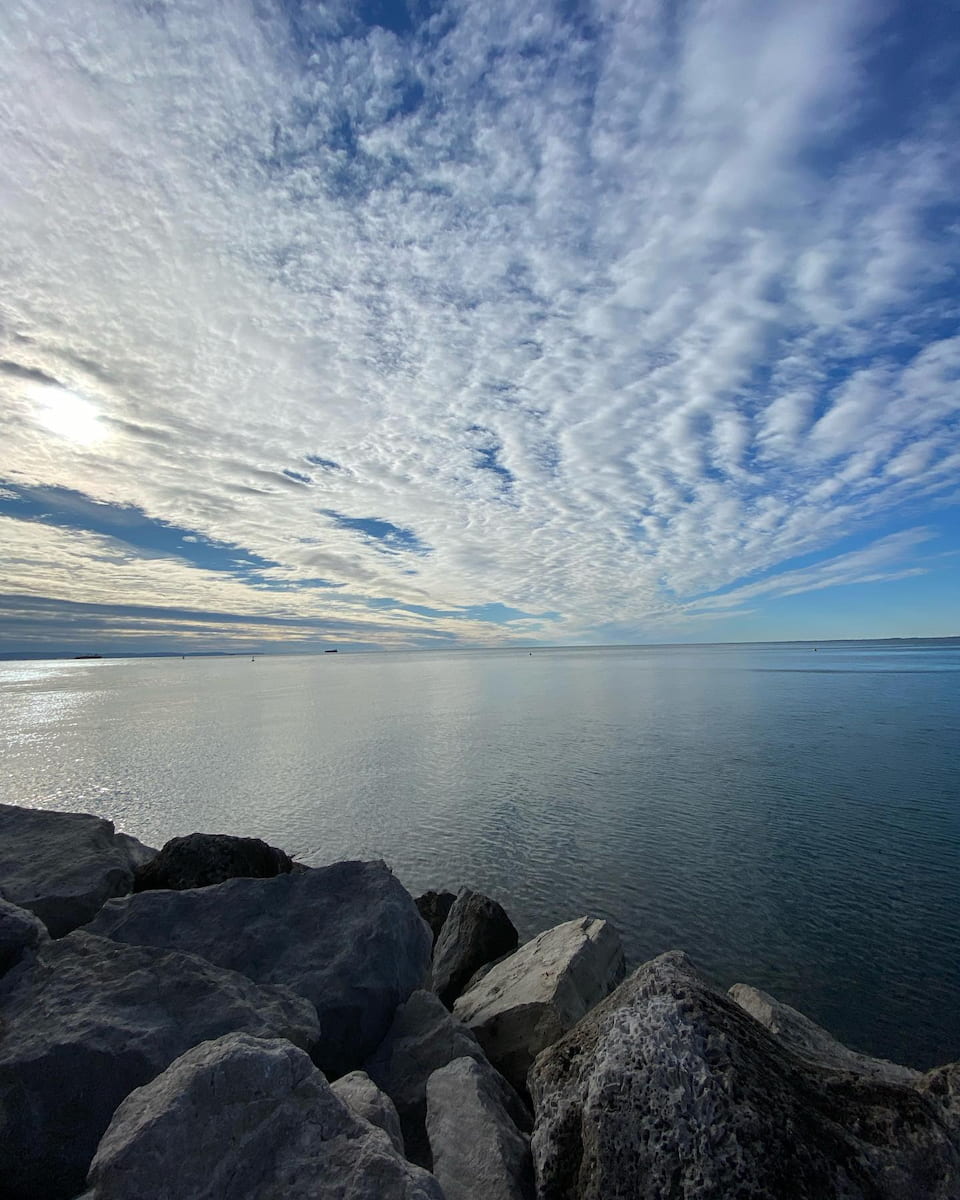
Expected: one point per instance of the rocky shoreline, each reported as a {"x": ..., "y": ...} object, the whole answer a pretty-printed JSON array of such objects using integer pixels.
[{"x": 214, "y": 1020}]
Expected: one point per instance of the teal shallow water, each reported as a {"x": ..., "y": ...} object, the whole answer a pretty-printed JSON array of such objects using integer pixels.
[{"x": 790, "y": 817}]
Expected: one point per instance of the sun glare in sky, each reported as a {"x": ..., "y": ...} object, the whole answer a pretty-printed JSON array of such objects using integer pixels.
[{"x": 68, "y": 415}]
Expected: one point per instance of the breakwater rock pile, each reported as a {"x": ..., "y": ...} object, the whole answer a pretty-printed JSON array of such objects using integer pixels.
[{"x": 214, "y": 1020}]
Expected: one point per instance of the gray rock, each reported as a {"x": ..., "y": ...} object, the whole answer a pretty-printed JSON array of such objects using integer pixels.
[
  {"x": 348, "y": 937},
  {"x": 63, "y": 866},
  {"x": 358, "y": 1091},
  {"x": 85, "y": 1020},
  {"x": 19, "y": 931},
  {"x": 203, "y": 859},
  {"x": 810, "y": 1041},
  {"x": 476, "y": 930},
  {"x": 434, "y": 907},
  {"x": 422, "y": 1038},
  {"x": 477, "y": 1148},
  {"x": 246, "y": 1118},
  {"x": 668, "y": 1088},
  {"x": 531, "y": 998}
]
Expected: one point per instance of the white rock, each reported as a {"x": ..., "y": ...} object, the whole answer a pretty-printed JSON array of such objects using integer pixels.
[
  {"x": 243, "y": 1118},
  {"x": 477, "y": 1149},
  {"x": 358, "y": 1091},
  {"x": 526, "y": 1002},
  {"x": 63, "y": 866}
]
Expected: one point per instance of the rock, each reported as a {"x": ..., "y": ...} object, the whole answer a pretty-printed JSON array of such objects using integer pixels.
[
  {"x": 203, "y": 859},
  {"x": 476, "y": 1147},
  {"x": 358, "y": 1091},
  {"x": 19, "y": 931},
  {"x": 85, "y": 1020},
  {"x": 247, "y": 1118},
  {"x": 63, "y": 866},
  {"x": 422, "y": 1038},
  {"x": 348, "y": 937},
  {"x": 434, "y": 908},
  {"x": 476, "y": 930},
  {"x": 669, "y": 1088},
  {"x": 533, "y": 997},
  {"x": 810, "y": 1041}
]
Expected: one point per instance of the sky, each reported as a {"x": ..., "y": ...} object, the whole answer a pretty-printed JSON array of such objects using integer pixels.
[{"x": 477, "y": 322}]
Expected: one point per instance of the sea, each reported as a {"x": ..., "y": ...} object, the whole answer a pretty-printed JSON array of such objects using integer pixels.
[{"x": 788, "y": 814}]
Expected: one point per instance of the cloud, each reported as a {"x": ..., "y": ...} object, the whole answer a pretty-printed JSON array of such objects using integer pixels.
[{"x": 608, "y": 308}]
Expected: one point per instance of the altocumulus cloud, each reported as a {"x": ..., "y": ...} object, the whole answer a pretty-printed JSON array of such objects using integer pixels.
[{"x": 473, "y": 321}]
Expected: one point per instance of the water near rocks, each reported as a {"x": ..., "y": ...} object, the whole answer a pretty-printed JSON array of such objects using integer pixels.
[{"x": 788, "y": 816}]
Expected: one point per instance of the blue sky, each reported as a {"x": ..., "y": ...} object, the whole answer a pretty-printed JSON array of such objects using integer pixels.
[{"x": 429, "y": 323}]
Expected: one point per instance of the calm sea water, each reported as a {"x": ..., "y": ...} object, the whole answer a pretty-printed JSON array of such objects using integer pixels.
[{"x": 789, "y": 817}]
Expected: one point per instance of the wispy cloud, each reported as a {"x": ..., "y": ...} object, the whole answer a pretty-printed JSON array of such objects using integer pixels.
[{"x": 590, "y": 311}]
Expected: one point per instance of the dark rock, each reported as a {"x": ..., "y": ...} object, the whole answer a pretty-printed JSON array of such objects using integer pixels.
[
  {"x": 358, "y": 1091},
  {"x": 63, "y": 866},
  {"x": 85, "y": 1020},
  {"x": 476, "y": 931},
  {"x": 247, "y": 1118},
  {"x": 19, "y": 931},
  {"x": 434, "y": 908},
  {"x": 423, "y": 1037},
  {"x": 477, "y": 1149},
  {"x": 669, "y": 1088},
  {"x": 348, "y": 937},
  {"x": 202, "y": 859}
]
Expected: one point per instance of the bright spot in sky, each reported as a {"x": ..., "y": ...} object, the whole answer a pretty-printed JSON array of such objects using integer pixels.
[{"x": 68, "y": 415}]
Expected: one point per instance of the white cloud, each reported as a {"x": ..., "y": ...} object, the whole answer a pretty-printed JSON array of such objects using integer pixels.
[{"x": 652, "y": 262}]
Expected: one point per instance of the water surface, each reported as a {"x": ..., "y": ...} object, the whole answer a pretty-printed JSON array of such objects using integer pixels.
[{"x": 790, "y": 816}]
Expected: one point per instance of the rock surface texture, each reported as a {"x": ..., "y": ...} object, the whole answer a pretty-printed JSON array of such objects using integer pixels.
[
  {"x": 63, "y": 866},
  {"x": 84, "y": 1021},
  {"x": 203, "y": 859},
  {"x": 247, "y": 1118},
  {"x": 434, "y": 907},
  {"x": 668, "y": 1088},
  {"x": 477, "y": 1149},
  {"x": 422, "y": 1038},
  {"x": 358, "y": 1091},
  {"x": 348, "y": 937},
  {"x": 19, "y": 931},
  {"x": 526, "y": 1002},
  {"x": 812, "y": 1042},
  {"x": 476, "y": 931}
]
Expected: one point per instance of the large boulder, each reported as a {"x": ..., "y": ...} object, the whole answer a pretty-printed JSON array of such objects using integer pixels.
[
  {"x": 203, "y": 859},
  {"x": 63, "y": 866},
  {"x": 422, "y": 1038},
  {"x": 811, "y": 1041},
  {"x": 476, "y": 1146},
  {"x": 84, "y": 1021},
  {"x": 669, "y": 1088},
  {"x": 358, "y": 1091},
  {"x": 348, "y": 937},
  {"x": 476, "y": 931},
  {"x": 247, "y": 1118},
  {"x": 435, "y": 907},
  {"x": 20, "y": 931},
  {"x": 530, "y": 999}
]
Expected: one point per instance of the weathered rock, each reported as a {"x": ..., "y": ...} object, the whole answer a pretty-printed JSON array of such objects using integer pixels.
[
  {"x": 810, "y": 1041},
  {"x": 668, "y": 1088},
  {"x": 19, "y": 931},
  {"x": 422, "y": 1038},
  {"x": 246, "y": 1118},
  {"x": 477, "y": 1148},
  {"x": 358, "y": 1091},
  {"x": 530, "y": 999},
  {"x": 85, "y": 1020},
  {"x": 63, "y": 866},
  {"x": 434, "y": 907},
  {"x": 476, "y": 930},
  {"x": 348, "y": 937},
  {"x": 203, "y": 859}
]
